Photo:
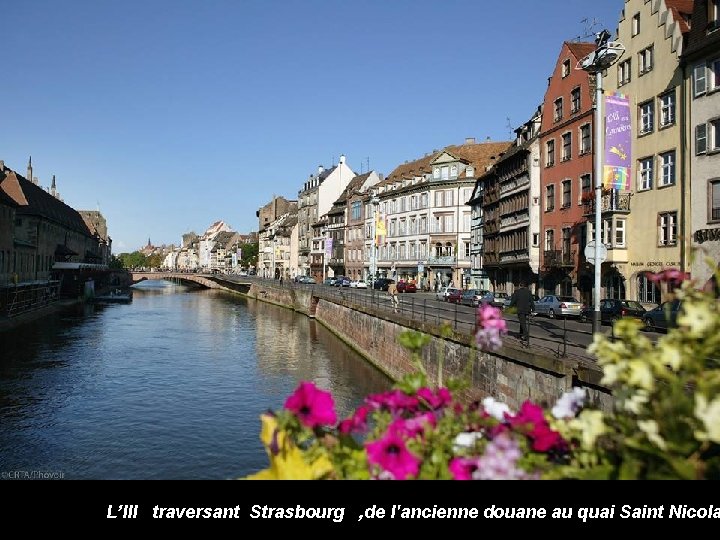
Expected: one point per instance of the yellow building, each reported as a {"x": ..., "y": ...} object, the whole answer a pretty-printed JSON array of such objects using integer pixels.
[{"x": 653, "y": 234}]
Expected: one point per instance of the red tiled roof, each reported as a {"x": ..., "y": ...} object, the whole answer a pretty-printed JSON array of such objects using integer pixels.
[
  {"x": 479, "y": 155},
  {"x": 679, "y": 8},
  {"x": 580, "y": 49}
]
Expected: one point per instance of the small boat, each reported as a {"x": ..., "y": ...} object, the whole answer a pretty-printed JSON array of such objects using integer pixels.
[{"x": 116, "y": 295}]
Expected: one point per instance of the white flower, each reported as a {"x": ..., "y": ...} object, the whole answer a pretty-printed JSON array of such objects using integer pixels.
[
  {"x": 496, "y": 409},
  {"x": 569, "y": 403},
  {"x": 709, "y": 413},
  {"x": 641, "y": 376},
  {"x": 466, "y": 440},
  {"x": 650, "y": 429},
  {"x": 697, "y": 318},
  {"x": 591, "y": 425}
]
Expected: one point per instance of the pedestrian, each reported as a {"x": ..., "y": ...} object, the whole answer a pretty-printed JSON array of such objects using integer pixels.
[
  {"x": 522, "y": 299},
  {"x": 392, "y": 291}
]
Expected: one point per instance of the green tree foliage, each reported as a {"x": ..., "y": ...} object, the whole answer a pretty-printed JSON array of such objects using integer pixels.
[
  {"x": 133, "y": 260},
  {"x": 249, "y": 254}
]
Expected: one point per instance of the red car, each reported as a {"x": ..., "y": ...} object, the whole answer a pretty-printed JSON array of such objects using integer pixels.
[
  {"x": 406, "y": 286},
  {"x": 454, "y": 296}
]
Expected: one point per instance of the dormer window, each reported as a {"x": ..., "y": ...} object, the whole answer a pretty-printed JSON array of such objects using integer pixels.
[
  {"x": 453, "y": 171},
  {"x": 566, "y": 68},
  {"x": 436, "y": 173},
  {"x": 470, "y": 171}
]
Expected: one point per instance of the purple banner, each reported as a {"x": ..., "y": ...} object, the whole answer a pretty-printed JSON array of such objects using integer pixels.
[
  {"x": 618, "y": 140},
  {"x": 328, "y": 247}
]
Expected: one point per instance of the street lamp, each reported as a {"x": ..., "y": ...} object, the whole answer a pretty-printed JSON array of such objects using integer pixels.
[
  {"x": 606, "y": 53},
  {"x": 375, "y": 201}
]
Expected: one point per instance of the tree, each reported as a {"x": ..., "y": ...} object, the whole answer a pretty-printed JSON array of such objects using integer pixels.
[
  {"x": 249, "y": 254},
  {"x": 133, "y": 260}
]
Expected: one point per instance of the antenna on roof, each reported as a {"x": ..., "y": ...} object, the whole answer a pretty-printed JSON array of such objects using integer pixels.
[
  {"x": 509, "y": 126},
  {"x": 368, "y": 164},
  {"x": 589, "y": 28}
]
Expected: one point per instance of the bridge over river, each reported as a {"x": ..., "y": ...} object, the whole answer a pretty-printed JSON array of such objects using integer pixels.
[{"x": 208, "y": 281}]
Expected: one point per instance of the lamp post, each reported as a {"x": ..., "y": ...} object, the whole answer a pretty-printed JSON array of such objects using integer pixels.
[
  {"x": 375, "y": 201},
  {"x": 606, "y": 53}
]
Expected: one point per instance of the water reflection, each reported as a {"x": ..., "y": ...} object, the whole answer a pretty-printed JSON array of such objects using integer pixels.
[{"x": 169, "y": 386}]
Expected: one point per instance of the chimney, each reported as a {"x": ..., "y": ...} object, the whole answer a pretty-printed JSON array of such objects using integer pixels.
[
  {"x": 321, "y": 169},
  {"x": 2, "y": 165},
  {"x": 342, "y": 159},
  {"x": 469, "y": 140}
]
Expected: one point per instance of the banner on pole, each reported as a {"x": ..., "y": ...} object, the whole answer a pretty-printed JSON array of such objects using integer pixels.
[
  {"x": 328, "y": 247},
  {"x": 380, "y": 231},
  {"x": 618, "y": 140}
]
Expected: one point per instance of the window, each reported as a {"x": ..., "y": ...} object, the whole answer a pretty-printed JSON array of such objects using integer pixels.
[
  {"x": 624, "y": 70},
  {"x": 445, "y": 173},
  {"x": 699, "y": 79},
  {"x": 667, "y": 164},
  {"x": 700, "y": 139},
  {"x": 566, "y": 146},
  {"x": 536, "y": 239},
  {"x": 647, "y": 117},
  {"x": 645, "y": 61},
  {"x": 614, "y": 286},
  {"x": 550, "y": 154},
  {"x": 439, "y": 199},
  {"x": 436, "y": 173},
  {"x": 620, "y": 233},
  {"x": 713, "y": 15},
  {"x": 558, "y": 109},
  {"x": 356, "y": 210},
  {"x": 549, "y": 240},
  {"x": 549, "y": 198},
  {"x": 635, "y": 24},
  {"x": 606, "y": 228},
  {"x": 585, "y": 187},
  {"x": 566, "y": 191},
  {"x": 667, "y": 109},
  {"x": 566, "y": 244},
  {"x": 714, "y": 200},
  {"x": 714, "y": 134},
  {"x": 667, "y": 229},
  {"x": 566, "y": 68},
  {"x": 648, "y": 292},
  {"x": 453, "y": 171},
  {"x": 645, "y": 174},
  {"x": 575, "y": 100},
  {"x": 714, "y": 82},
  {"x": 585, "y": 139}
]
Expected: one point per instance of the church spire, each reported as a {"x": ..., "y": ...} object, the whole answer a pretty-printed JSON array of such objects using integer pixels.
[
  {"x": 29, "y": 170},
  {"x": 53, "y": 188}
]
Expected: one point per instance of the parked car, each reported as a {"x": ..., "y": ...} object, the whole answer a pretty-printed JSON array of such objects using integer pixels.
[
  {"x": 472, "y": 297},
  {"x": 342, "y": 281},
  {"x": 358, "y": 284},
  {"x": 662, "y": 317},
  {"x": 329, "y": 281},
  {"x": 563, "y": 306},
  {"x": 406, "y": 286},
  {"x": 454, "y": 296},
  {"x": 443, "y": 293},
  {"x": 308, "y": 280},
  {"x": 612, "y": 309},
  {"x": 382, "y": 284},
  {"x": 496, "y": 299}
]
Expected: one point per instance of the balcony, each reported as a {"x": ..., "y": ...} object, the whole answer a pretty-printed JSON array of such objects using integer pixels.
[
  {"x": 445, "y": 260},
  {"x": 556, "y": 258},
  {"x": 613, "y": 202}
]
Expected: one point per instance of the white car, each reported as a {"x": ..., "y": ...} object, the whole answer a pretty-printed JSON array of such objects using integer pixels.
[
  {"x": 444, "y": 292},
  {"x": 358, "y": 284}
]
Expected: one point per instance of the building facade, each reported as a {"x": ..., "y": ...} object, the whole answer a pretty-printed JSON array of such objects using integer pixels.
[
  {"x": 566, "y": 176},
  {"x": 651, "y": 237},
  {"x": 701, "y": 63}
]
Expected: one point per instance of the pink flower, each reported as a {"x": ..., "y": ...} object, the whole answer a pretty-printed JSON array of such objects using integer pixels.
[
  {"x": 357, "y": 422},
  {"x": 462, "y": 468},
  {"x": 673, "y": 275},
  {"x": 391, "y": 455},
  {"x": 314, "y": 407},
  {"x": 532, "y": 419},
  {"x": 435, "y": 400},
  {"x": 653, "y": 277},
  {"x": 394, "y": 401},
  {"x": 412, "y": 427},
  {"x": 490, "y": 326}
]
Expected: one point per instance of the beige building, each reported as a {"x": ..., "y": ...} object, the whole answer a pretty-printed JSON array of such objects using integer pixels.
[
  {"x": 701, "y": 59},
  {"x": 655, "y": 231}
]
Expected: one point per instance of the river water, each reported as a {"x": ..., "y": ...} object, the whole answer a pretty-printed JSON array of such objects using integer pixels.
[{"x": 170, "y": 386}]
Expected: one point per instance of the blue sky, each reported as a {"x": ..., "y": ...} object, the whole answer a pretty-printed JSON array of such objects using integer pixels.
[{"x": 171, "y": 114}]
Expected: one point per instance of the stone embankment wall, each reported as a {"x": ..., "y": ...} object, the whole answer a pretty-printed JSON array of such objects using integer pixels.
[{"x": 511, "y": 375}]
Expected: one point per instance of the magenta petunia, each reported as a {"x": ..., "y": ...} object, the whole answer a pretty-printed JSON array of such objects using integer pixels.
[
  {"x": 532, "y": 418},
  {"x": 314, "y": 407},
  {"x": 545, "y": 439},
  {"x": 463, "y": 468},
  {"x": 435, "y": 400},
  {"x": 394, "y": 401},
  {"x": 356, "y": 423},
  {"x": 413, "y": 427},
  {"x": 391, "y": 455}
]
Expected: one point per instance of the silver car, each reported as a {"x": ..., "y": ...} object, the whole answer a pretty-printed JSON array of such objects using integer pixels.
[{"x": 562, "y": 306}]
